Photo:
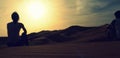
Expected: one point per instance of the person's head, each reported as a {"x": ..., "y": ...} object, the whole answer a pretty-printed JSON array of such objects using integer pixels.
[
  {"x": 15, "y": 17},
  {"x": 117, "y": 14}
]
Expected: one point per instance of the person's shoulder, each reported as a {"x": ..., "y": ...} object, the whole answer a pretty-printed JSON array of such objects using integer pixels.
[
  {"x": 9, "y": 23},
  {"x": 113, "y": 21},
  {"x": 21, "y": 24}
]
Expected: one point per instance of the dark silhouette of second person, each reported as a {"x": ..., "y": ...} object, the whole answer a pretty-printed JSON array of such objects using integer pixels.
[
  {"x": 13, "y": 29},
  {"x": 114, "y": 27},
  {"x": 117, "y": 24}
]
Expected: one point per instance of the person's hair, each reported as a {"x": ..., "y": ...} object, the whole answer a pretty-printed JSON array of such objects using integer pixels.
[
  {"x": 117, "y": 14},
  {"x": 15, "y": 16}
]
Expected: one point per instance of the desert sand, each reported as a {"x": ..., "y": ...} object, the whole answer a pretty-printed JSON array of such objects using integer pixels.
[{"x": 82, "y": 50}]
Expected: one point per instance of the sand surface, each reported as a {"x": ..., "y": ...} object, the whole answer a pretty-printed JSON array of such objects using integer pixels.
[{"x": 110, "y": 49}]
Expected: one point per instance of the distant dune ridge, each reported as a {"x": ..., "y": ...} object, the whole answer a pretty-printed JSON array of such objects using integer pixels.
[
  {"x": 72, "y": 42},
  {"x": 70, "y": 34}
]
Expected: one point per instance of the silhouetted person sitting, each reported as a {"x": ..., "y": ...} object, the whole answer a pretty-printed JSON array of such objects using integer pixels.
[
  {"x": 13, "y": 29},
  {"x": 114, "y": 27},
  {"x": 117, "y": 24}
]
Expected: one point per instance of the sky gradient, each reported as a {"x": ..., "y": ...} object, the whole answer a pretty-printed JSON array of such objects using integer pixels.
[{"x": 59, "y": 14}]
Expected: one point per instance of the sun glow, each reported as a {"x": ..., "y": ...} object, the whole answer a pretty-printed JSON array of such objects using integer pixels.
[
  {"x": 36, "y": 10},
  {"x": 39, "y": 15}
]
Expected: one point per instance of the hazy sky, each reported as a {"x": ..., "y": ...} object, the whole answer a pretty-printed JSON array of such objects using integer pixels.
[{"x": 39, "y": 15}]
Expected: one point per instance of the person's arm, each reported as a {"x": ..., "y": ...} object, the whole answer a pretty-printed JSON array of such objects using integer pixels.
[{"x": 24, "y": 29}]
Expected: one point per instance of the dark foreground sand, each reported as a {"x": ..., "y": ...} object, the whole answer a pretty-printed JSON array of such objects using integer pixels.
[{"x": 110, "y": 49}]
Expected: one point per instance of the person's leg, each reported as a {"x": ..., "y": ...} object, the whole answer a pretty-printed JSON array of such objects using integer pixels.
[
  {"x": 11, "y": 44},
  {"x": 26, "y": 42}
]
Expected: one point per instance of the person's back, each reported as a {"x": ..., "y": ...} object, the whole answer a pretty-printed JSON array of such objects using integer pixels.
[
  {"x": 13, "y": 29},
  {"x": 112, "y": 30}
]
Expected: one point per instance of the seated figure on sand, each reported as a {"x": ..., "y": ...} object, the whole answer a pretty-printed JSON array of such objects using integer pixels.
[
  {"x": 13, "y": 29},
  {"x": 117, "y": 24},
  {"x": 114, "y": 27}
]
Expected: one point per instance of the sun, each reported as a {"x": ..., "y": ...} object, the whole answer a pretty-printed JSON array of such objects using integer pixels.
[{"x": 36, "y": 10}]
